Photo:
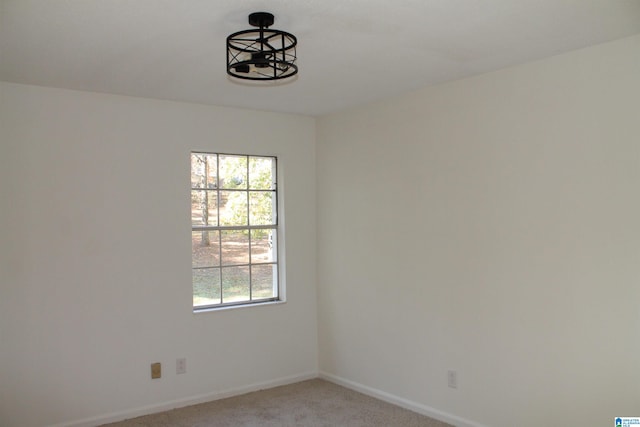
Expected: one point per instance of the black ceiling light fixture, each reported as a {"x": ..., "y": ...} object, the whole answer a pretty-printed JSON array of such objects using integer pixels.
[{"x": 261, "y": 54}]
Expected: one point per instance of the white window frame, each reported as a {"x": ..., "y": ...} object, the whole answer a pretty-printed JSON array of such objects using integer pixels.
[{"x": 274, "y": 239}]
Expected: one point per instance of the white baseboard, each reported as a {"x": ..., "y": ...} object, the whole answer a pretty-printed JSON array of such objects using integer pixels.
[
  {"x": 188, "y": 401},
  {"x": 399, "y": 401}
]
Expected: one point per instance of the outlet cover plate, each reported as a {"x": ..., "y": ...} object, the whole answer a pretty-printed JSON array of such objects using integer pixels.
[
  {"x": 452, "y": 379},
  {"x": 156, "y": 370},
  {"x": 181, "y": 366}
]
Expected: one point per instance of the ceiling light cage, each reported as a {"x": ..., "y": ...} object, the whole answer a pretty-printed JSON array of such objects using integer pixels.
[{"x": 261, "y": 54}]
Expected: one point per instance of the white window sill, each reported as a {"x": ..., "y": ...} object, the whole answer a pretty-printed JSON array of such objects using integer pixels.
[{"x": 234, "y": 307}]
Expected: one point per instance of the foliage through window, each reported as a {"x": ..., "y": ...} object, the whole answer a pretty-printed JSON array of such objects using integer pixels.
[{"x": 234, "y": 229}]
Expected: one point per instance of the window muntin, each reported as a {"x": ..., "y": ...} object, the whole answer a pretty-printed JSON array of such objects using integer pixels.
[{"x": 234, "y": 229}]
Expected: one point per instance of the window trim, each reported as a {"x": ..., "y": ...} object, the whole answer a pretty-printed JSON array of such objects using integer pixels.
[{"x": 278, "y": 298}]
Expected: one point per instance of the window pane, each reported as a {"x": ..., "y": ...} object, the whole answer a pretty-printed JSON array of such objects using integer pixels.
[
  {"x": 206, "y": 286},
  {"x": 263, "y": 246},
  {"x": 235, "y": 247},
  {"x": 261, "y": 173},
  {"x": 233, "y": 172},
  {"x": 203, "y": 170},
  {"x": 197, "y": 170},
  {"x": 233, "y": 208},
  {"x": 261, "y": 210},
  {"x": 204, "y": 207},
  {"x": 205, "y": 249},
  {"x": 264, "y": 281},
  {"x": 235, "y": 284}
]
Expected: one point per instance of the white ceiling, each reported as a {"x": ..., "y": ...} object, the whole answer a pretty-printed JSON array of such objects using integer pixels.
[{"x": 350, "y": 52}]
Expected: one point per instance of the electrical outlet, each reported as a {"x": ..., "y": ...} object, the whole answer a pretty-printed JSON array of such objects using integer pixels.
[
  {"x": 156, "y": 370},
  {"x": 452, "y": 379},
  {"x": 181, "y": 366}
]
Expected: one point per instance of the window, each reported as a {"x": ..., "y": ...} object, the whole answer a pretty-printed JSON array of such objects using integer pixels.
[{"x": 234, "y": 230}]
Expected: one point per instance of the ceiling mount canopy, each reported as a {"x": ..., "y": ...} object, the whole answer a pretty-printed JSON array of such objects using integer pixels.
[{"x": 262, "y": 53}]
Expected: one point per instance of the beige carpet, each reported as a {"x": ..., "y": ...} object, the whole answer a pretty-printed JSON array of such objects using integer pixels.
[{"x": 312, "y": 403}]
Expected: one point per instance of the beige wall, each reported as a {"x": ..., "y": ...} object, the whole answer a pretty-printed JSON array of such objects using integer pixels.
[
  {"x": 488, "y": 225},
  {"x": 491, "y": 226},
  {"x": 95, "y": 257}
]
